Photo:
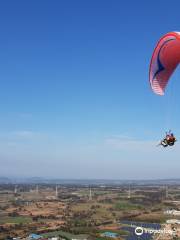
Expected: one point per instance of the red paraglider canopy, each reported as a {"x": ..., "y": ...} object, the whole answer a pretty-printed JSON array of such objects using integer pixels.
[{"x": 164, "y": 61}]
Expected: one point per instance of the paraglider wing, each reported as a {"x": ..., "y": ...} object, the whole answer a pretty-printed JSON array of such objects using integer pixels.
[{"x": 164, "y": 61}]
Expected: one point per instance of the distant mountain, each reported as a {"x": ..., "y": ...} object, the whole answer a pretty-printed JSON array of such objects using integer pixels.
[
  {"x": 5, "y": 180},
  {"x": 40, "y": 180}
]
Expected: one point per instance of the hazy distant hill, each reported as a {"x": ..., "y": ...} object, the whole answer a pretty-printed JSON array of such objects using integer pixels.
[
  {"x": 39, "y": 180},
  {"x": 5, "y": 180}
]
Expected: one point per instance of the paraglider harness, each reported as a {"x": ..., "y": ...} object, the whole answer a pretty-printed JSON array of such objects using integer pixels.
[{"x": 169, "y": 140}]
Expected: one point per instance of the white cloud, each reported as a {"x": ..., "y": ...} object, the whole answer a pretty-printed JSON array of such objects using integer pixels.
[
  {"x": 25, "y": 115},
  {"x": 130, "y": 144},
  {"x": 141, "y": 147},
  {"x": 19, "y": 138},
  {"x": 24, "y": 134}
]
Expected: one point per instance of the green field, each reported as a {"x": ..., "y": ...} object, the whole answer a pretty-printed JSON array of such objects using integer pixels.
[
  {"x": 16, "y": 220},
  {"x": 65, "y": 235},
  {"x": 127, "y": 206}
]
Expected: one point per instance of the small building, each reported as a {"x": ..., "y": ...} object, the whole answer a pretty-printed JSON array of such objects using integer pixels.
[
  {"x": 172, "y": 212},
  {"x": 173, "y": 221},
  {"x": 110, "y": 234},
  {"x": 34, "y": 236}
]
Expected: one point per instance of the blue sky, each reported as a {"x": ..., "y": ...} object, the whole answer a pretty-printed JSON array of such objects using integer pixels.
[{"x": 75, "y": 100}]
